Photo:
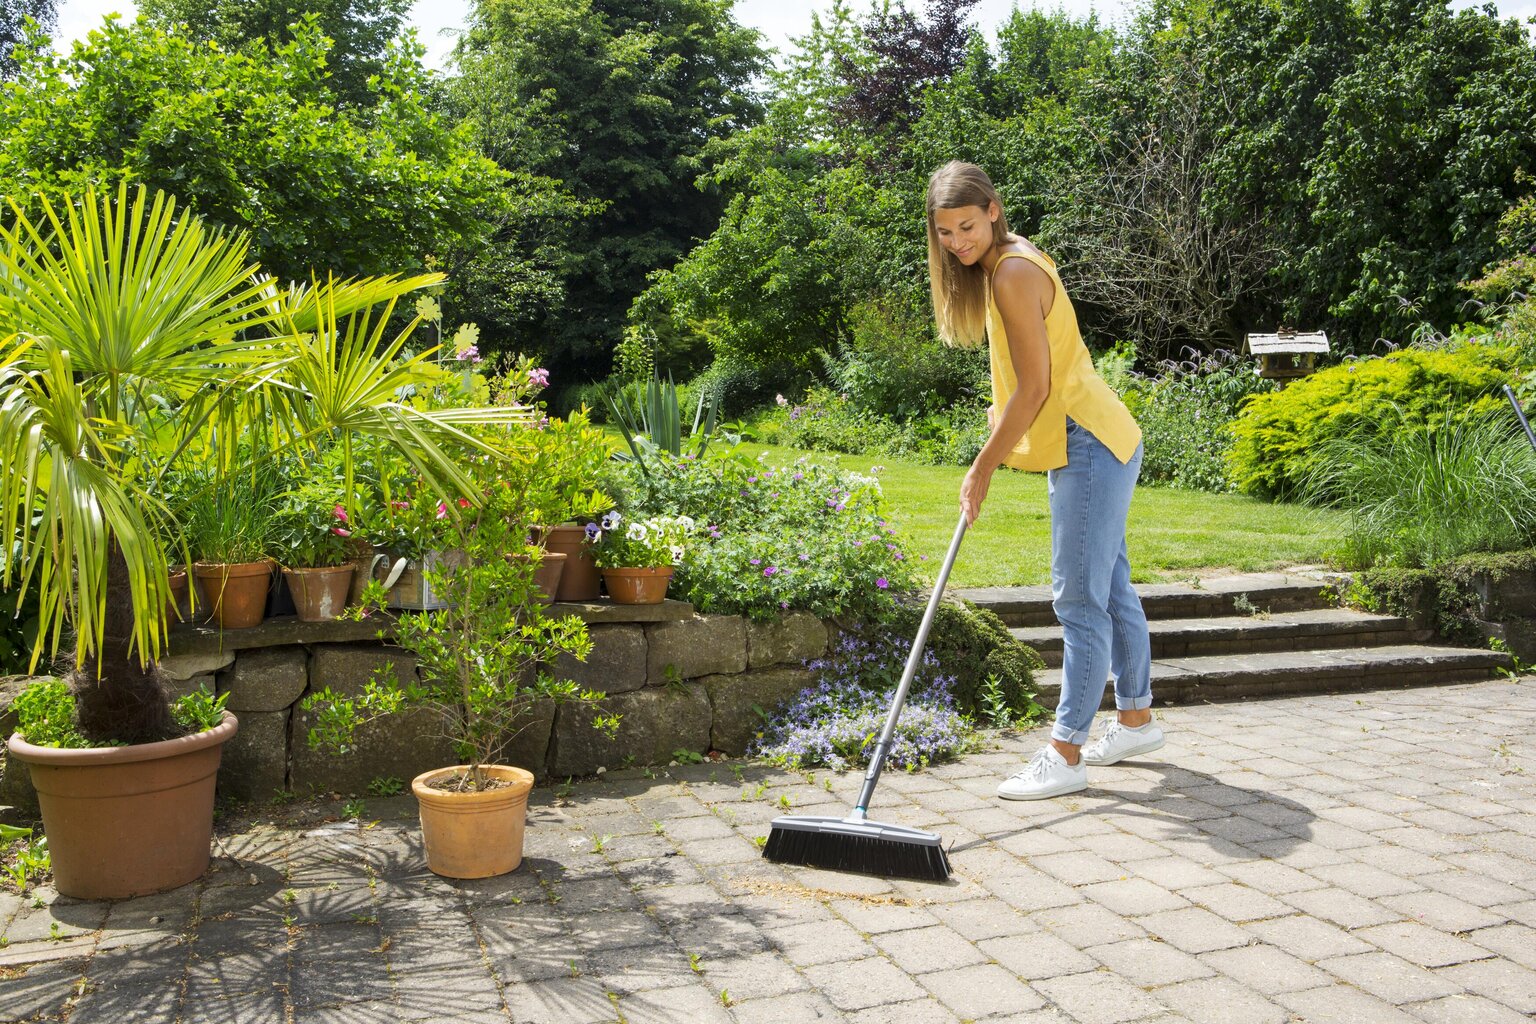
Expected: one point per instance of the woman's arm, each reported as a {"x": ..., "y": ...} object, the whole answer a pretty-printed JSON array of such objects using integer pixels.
[{"x": 1024, "y": 294}]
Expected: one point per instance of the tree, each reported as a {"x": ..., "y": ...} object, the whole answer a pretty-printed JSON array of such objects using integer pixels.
[
  {"x": 13, "y": 30},
  {"x": 617, "y": 100},
  {"x": 360, "y": 31},
  {"x": 252, "y": 139}
]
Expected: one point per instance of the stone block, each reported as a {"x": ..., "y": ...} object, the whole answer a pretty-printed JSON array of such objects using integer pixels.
[
  {"x": 400, "y": 746},
  {"x": 732, "y": 698},
  {"x": 16, "y": 790},
  {"x": 795, "y": 638},
  {"x": 704, "y": 645},
  {"x": 10, "y": 689},
  {"x": 528, "y": 748},
  {"x": 268, "y": 680},
  {"x": 616, "y": 664},
  {"x": 655, "y": 722},
  {"x": 181, "y": 667},
  {"x": 346, "y": 668},
  {"x": 254, "y": 764}
]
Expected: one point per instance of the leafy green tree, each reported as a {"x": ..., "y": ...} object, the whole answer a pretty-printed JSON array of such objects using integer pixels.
[
  {"x": 360, "y": 31},
  {"x": 13, "y": 28},
  {"x": 616, "y": 99},
  {"x": 252, "y": 139}
]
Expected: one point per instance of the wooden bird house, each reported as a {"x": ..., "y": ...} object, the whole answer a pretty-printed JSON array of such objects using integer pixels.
[{"x": 1287, "y": 353}]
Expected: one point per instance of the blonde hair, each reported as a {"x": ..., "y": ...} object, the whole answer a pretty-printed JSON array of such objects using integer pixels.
[{"x": 959, "y": 291}]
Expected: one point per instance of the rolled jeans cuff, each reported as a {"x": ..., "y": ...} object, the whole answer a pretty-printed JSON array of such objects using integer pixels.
[
  {"x": 1063, "y": 733},
  {"x": 1133, "y": 703}
]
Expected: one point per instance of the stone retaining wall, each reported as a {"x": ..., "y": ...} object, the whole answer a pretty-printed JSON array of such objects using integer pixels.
[{"x": 681, "y": 681}]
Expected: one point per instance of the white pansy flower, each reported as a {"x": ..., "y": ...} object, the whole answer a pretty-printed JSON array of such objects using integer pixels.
[
  {"x": 677, "y": 553},
  {"x": 611, "y": 520},
  {"x": 637, "y": 531}
]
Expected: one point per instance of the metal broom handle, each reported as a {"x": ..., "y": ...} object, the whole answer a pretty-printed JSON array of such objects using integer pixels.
[
  {"x": 1509, "y": 393},
  {"x": 883, "y": 746}
]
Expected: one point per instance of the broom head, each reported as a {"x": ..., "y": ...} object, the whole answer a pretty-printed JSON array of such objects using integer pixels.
[{"x": 866, "y": 847}]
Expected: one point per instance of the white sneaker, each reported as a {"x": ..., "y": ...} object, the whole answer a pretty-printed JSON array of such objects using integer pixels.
[
  {"x": 1047, "y": 775},
  {"x": 1120, "y": 742}
]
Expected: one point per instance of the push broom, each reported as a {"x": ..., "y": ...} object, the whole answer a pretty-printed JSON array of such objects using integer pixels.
[{"x": 855, "y": 843}]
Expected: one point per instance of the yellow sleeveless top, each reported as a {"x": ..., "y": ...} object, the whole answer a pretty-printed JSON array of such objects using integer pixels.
[{"x": 1077, "y": 390}]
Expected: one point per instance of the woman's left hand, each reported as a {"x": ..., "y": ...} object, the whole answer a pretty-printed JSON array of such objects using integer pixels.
[{"x": 973, "y": 491}]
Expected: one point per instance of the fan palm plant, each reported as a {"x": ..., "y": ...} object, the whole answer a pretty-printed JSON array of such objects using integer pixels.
[{"x": 134, "y": 341}]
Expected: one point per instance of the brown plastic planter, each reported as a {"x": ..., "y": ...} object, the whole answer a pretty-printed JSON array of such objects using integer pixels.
[
  {"x": 126, "y": 821},
  {"x": 473, "y": 835}
]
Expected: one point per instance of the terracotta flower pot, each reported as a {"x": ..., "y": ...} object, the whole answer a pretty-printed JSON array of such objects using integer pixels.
[
  {"x": 580, "y": 580},
  {"x": 638, "y": 586},
  {"x": 125, "y": 821},
  {"x": 235, "y": 594},
  {"x": 176, "y": 610},
  {"x": 550, "y": 572},
  {"x": 319, "y": 595},
  {"x": 473, "y": 835}
]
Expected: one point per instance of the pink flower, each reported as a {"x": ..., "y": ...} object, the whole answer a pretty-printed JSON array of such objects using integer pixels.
[
  {"x": 539, "y": 378},
  {"x": 442, "y": 510},
  {"x": 399, "y": 505},
  {"x": 338, "y": 531},
  {"x": 341, "y": 513}
]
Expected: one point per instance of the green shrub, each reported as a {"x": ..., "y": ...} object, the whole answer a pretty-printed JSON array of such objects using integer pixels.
[
  {"x": 1184, "y": 411},
  {"x": 775, "y": 538},
  {"x": 735, "y": 387},
  {"x": 1277, "y": 435},
  {"x": 825, "y": 420},
  {"x": 893, "y": 364},
  {"x": 1419, "y": 495},
  {"x": 1446, "y": 597},
  {"x": 973, "y": 645}
]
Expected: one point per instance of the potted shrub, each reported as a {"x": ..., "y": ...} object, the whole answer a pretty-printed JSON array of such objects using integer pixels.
[
  {"x": 312, "y": 541},
  {"x": 482, "y": 664},
  {"x": 637, "y": 557},
  {"x": 106, "y": 394}
]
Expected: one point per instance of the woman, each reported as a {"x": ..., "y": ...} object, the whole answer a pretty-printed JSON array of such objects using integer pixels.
[{"x": 1051, "y": 412}]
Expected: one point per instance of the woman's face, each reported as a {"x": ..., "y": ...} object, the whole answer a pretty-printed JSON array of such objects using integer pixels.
[{"x": 966, "y": 231}]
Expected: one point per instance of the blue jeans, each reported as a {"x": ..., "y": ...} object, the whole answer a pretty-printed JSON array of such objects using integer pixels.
[{"x": 1104, "y": 629}]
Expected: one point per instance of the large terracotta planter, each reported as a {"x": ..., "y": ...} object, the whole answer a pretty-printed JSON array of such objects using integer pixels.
[
  {"x": 638, "y": 586},
  {"x": 473, "y": 835},
  {"x": 319, "y": 595},
  {"x": 176, "y": 609},
  {"x": 234, "y": 594},
  {"x": 580, "y": 580},
  {"x": 125, "y": 821}
]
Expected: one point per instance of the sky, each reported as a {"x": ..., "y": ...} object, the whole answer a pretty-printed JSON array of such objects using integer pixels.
[{"x": 778, "y": 20}]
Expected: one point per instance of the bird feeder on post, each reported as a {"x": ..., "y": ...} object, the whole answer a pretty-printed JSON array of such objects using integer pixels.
[{"x": 1287, "y": 353}]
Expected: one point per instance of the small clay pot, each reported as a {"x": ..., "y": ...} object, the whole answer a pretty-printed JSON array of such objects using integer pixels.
[
  {"x": 176, "y": 608},
  {"x": 638, "y": 586},
  {"x": 550, "y": 571},
  {"x": 235, "y": 594},
  {"x": 319, "y": 595},
  {"x": 473, "y": 835}
]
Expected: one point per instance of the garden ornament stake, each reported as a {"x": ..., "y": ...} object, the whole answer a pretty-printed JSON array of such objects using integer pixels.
[
  {"x": 855, "y": 843},
  {"x": 1509, "y": 393}
]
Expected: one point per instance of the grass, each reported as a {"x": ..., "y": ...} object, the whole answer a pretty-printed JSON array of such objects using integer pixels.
[{"x": 1173, "y": 534}]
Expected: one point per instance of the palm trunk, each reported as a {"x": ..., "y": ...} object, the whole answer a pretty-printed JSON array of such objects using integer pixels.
[{"x": 120, "y": 699}]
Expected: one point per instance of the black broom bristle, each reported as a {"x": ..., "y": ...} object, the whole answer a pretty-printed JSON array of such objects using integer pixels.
[{"x": 891, "y": 858}]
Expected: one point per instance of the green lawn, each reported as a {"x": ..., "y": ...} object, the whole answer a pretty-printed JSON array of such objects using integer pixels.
[{"x": 1173, "y": 533}]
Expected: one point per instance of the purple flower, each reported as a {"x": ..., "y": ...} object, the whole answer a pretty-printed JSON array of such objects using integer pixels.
[
  {"x": 756, "y": 561},
  {"x": 592, "y": 531},
  {"x": 882, "y": 583},
  {"x": 770, "y": 571},
  {"x": 751, "y": 479},
  {"x": 539, "y": 378},
  {"x": 472, "y": 354}
]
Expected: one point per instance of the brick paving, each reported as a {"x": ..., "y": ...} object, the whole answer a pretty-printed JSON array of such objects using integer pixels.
[{"x": 1361, "y": 858}]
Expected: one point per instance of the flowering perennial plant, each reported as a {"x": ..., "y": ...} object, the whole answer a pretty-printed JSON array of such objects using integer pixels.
[
  {"x": 641, "y": 543},
  {"x": 804, "y": 536},
  {"x": 311, "y": 529},
  {"x": 836, "y": 722}
]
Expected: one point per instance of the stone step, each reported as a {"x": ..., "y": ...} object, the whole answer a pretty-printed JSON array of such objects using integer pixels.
[
  {"x": 1287, "y": 673},
  {"x": 1212, "y": 596},
  {"x": 1251, "y": 634}
]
